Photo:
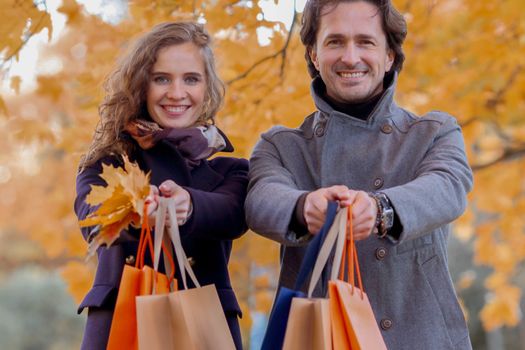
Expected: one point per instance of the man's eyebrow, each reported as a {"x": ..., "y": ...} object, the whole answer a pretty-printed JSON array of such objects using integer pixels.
[
  {"x": 342, "y": 36},
  {"x": 334, "y": 36},
  {"x": 366, "y": 36}
]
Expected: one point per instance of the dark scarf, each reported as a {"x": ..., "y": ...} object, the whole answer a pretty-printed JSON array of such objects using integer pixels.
[
  {"x": 360, "y": 110},
  {"x": 194, "y": 143}
]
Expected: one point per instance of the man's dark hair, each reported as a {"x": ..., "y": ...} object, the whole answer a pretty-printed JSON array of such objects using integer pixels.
[{"x": 393, "y": 23}]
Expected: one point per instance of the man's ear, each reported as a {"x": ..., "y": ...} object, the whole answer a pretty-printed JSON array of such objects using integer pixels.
[
  {"x": 389, "y": 60},
  {"x": 312, "y": 52}
]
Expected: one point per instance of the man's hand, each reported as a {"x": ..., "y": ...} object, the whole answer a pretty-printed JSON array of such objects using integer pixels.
[
  {"x": 316, "y": 203},
  {"x": 182, "y": 200},
  {"x": 364, "y": 213},
  {"x": 364, "y": 209}
]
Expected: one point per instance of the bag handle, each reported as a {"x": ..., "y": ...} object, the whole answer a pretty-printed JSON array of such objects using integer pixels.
[
  {"x": 161, "y": 244},
  {"x": 350, "y": 255},
  {"x": 174, "y": 235},
  {"x": 346, "y": 246},
  {"x": 312, "y": 251},
  {"x": 336, "y": 236},
  {"x": 144, "y": 240}
]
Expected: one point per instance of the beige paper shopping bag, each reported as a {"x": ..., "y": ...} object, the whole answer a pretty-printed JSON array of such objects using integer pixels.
[
  {"x": 189, "y": 319},
  {"x": 308, "y": 326}
]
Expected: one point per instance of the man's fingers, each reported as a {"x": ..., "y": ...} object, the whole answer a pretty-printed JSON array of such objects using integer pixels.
[
  {"x": 315, "y": 226},
  {"x": 337, "y": 193}
]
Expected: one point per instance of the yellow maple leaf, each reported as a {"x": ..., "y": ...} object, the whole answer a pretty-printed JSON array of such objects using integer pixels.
[
  {"x": 72, "y": 10},
  {"x": 502, "y": 308},
  {"x": 15, "y": 83},
  {"x": 3, "y": 107},
  {"x": 135, "y": 184},
  {"x": 79, "y": 277},
  {"x": 120, "y": 202}
]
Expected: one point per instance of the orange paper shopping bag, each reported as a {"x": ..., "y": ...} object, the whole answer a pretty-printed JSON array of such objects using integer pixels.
[{"x": 353, "y": 322}]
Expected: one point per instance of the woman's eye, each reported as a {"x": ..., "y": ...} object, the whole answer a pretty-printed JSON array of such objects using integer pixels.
[
  {"x": 192, "y": 80},
  {"x": 161, "y": 80}
]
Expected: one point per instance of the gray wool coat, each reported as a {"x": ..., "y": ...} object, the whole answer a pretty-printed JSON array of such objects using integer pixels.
[{"x": 419, "y": 163}]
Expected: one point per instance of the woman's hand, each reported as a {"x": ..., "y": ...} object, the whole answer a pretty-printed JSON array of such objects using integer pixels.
[
  {"x": 183, "y": 205},
  {"x": 152, "y": 200}
]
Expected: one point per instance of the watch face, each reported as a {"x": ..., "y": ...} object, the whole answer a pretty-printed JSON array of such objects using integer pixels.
[
  {"x": 388, "y": 218},
  {"x": 387, "y": 215}
]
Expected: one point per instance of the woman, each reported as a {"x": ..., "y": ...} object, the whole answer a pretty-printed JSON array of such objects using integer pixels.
[{"x": 159, "y": 110}]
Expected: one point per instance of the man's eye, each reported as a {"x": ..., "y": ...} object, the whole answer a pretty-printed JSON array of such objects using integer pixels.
[{"x": 333, "y": 42}]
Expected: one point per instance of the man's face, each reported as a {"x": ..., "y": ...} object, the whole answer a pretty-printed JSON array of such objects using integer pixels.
[{"x": 351, "y": 52}]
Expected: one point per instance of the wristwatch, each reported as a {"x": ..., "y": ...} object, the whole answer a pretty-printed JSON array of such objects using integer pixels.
[{"x": 385, "y": 213}]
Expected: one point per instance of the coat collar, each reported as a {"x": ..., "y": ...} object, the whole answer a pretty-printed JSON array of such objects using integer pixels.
[{"x": 384, "y": 108}]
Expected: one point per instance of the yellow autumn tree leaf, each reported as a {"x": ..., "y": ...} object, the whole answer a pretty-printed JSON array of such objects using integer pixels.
[
  {"x": 72, "y": 10},
  {"x": 112, "y": 178},
  {"x": 75, "y": 273},
  {"x": 502, "y": 308},
  {"x": 3, "y": 107},
  {"x": 15, "y": 83},
  {"x": 120, "y": 202}
]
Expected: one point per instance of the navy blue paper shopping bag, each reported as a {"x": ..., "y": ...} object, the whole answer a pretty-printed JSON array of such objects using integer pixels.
[{"x": 274, "y": 336}]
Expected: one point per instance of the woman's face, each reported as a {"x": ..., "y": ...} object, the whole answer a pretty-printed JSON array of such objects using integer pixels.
[{"x": 177, "y": 86}]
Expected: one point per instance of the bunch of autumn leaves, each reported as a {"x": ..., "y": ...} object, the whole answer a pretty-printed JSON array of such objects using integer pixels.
[{"x": 120, "y": 203}]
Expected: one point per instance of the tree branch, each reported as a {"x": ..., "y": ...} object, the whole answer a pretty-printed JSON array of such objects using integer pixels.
[
  {"x": 493, "y": 102},
  {"x": 281, "y": 52},
  {"x": 468, "y": 122},
  {"x": 287, "y": 43},
  {"x": 508, "y": 154},
  {"x": 194, "y": 10}
]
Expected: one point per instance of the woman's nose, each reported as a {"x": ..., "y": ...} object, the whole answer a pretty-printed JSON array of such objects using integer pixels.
[{"x": 176, "y": 91}]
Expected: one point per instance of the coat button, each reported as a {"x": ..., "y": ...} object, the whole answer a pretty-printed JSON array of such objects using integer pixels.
[
  {"x": 386, "y": 128},
  {"x": 191, "y": 261},
  {"x": 319, "y": 130},
  {"x": 380, "y": 253},
  {"x": 378, "y": 183},
  {"x": 386, "y": 323},
  {"x": 130, "y": 259}
]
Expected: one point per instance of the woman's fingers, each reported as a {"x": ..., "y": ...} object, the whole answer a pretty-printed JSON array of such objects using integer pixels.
[{"x": 168, "y": 188}]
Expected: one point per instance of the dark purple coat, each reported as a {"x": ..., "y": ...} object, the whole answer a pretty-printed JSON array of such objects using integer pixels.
[{"x": 217, "y": 188}]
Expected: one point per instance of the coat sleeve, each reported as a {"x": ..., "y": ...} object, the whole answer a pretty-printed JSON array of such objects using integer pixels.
[
  {"x": 85, "y": 180},
  {"x": 272, "y": 196},
  {"x": 438, "y": 194},
  {"x": 219, "y": 214}
]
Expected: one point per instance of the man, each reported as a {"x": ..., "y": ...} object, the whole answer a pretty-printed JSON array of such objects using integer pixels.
[{"x": 406, "y": 176}]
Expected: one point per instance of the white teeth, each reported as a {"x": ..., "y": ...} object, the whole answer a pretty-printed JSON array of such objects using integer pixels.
[
  {"x": 175, "y": 109},
  {"x": 352, "y": 75}
]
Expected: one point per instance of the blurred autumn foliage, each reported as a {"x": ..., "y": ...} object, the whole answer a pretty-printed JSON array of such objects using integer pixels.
[{"x": 464, "y": 57}]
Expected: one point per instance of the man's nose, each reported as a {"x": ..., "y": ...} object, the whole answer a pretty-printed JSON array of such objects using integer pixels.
[
  {"x": 176, "y": 91},
  {"x": 351, "y": 54}
]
